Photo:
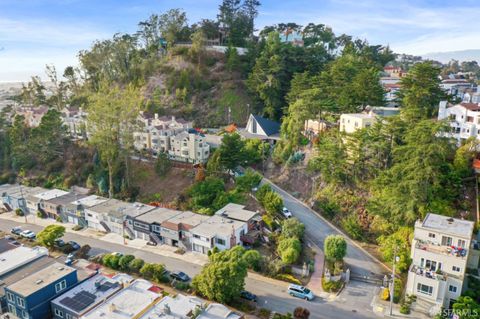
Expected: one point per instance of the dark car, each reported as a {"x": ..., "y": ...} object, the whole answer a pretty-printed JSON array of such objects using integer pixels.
[
  {"x": 180, "y": 275},
  {"x": 59, "y": 243},
  {"x": 74, "y": 245},
  {"x": 16, "y": 230},
  {"x": 248, "y": 296}
]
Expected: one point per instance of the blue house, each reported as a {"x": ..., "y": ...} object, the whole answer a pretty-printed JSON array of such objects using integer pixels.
[
  {"x": 30, "y": 297},
  {"x": 13, "y": 196}
]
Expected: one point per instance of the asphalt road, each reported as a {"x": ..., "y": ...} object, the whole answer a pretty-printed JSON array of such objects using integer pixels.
[
  {"x": 354, "y": 302},
  {"x": 317, "y": 229}
]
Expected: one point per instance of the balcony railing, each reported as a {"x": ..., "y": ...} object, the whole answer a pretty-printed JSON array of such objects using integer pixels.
[
  {"x": 440, "y": 276},
  {"x": 439, "y": 249}
]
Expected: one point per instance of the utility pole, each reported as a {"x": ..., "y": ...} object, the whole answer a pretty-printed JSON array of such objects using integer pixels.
[{"x": 392, "y": 285}]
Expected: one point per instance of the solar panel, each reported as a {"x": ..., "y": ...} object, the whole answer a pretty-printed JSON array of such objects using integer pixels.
[{"x": 79, "y": 301}]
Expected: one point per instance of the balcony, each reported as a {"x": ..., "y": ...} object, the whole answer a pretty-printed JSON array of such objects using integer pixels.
[
  {"x": 419, "y": 271},
  {"x": 453, "y": 251}
]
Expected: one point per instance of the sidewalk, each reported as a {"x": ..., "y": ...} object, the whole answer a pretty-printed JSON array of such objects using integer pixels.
[
  {"x": 382, "y": 308},
  {"x": 315, "y": 283}
]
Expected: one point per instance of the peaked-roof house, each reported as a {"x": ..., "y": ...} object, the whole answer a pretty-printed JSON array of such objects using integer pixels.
[{"x": 260, "y": 127}]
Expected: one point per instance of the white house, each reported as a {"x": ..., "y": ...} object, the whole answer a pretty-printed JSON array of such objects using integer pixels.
[
  {"x": 464, "y": 119},
  {"x": 441, "y": 249},
  {"x": 217, "y": 231},
  {"x": 349, "y": 123},
  {"x": 189, "y": 147},
  {"x": 261, "y": 128}
]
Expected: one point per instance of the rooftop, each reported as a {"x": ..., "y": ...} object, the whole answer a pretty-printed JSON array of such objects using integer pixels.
[
  {"x": 90, "y": 201},
  {"x": 15, "y": 258},
  {"x": 236, "y": 212},
  {"x": 217, "y": 225},
  {"x": 66, "y": 199},
  {"x": 127, "y": 303},
  {"x": 185, "y": 220},
  {"x": 15, "y": 190},
  {"x": 180, "y": 307},
  {"x": 269, "y": 127},
  {"x": 358, "y": 115},
  {"x": 88, "y": 294},
  {"x": 120, "y": 209},
  {"x": 218, "y": 311},
  {"x": 6, "y": 245},
  {"x": 50, "y": 194},
  {"x": 448, "y": 225},
  {"x": 158, "y": 215},
  {"x": 41, "y": 279}
]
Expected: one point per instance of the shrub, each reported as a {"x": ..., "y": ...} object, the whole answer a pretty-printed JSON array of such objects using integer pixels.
[
  {"x": 19, "y": 212},
  {"x": 83, "y": 252},
  {"x": 153, "y": 271},
  {"x": 352, "y": 227},
  {"x": 184, "y": 286},
  {"x": 262, "y": 191},
  {"x": 77, "y": 228},
  {"x": 292, "y": 227},
  {"x": 385, "y": 294},
  {"x": 111, "y": 260},
  {"x": 289, "y": 250},
  {"x": 135, "y": 265},
  {"x": 405, "y": 308},
  {"x": 124, "y": 262},
  {"x": 398, "y": 289},
  {"x": 268, "y": 220},
  {"x": 301, "y": 313},
  {"x": 41, "y": 214},
  {"x": 288, "y": 278},
  {"x": 59, "y": 219},
  {"x": 331, "y": 286}
]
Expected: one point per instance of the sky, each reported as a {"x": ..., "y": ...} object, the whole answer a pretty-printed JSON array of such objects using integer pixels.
[{"x": 34, "y": 33}]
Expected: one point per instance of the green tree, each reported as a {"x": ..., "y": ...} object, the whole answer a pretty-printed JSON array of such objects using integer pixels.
[
  {"x": 223, "y": 278},
  {"x": 171, "y": 24},
  {"x": 231, "y": 151},
  {"x": 204, "y": 196},
  {"x": 125, "y": 261},
  {"x": 198, "y": 45},
  {"x": 335, "y": 247},
  {"x": 289, "y": 249},
  {"x": 262, "y": 191},
  {"x": 292, "y": 228},
  {"x": 135, "y": 265},
  {"x": 252, "y": 258},
  {"x": 162, "y": 164},
  {"x": 249, "y": 180},
  {"x": 273, "y": 203},
  {"x": 49, "y": 234},
  {"x": 50, "y": 137},
  {"x": 399, "y": 242},
  {"x": 112, "y": 119},
  {"x": 420, "y": 92},
  {"x": 466, "y": 308},
  {"x": 153, "y": 271}
]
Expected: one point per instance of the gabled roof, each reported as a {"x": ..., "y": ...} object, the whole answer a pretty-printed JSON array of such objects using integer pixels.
[{"x": 268, "y": 126}]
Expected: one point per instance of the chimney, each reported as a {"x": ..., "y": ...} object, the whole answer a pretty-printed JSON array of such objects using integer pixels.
[
  {"x": 156, "y": 116},
  {"x": 173, "y": 118},
  {"x": 166, "y": 309},
  {"x": 112, "y": 307}
]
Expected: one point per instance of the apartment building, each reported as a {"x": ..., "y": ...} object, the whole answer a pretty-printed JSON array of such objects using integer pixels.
[
  {"x": 463, "y": 118},
  {"x": 189, "y": 147},
  {"x": 441, "y": 252},
  {"x": 349, "y": 123}
]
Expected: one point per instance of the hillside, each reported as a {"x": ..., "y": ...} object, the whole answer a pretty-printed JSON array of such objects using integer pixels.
[
  {"x": 202, "y": 91},
  {"x": 463, "y": 55}
]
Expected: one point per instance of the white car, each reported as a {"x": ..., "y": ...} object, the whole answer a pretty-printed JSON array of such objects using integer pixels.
[
  {"x": 286, "y": 212},
  {"x": 28, "y": 234}
]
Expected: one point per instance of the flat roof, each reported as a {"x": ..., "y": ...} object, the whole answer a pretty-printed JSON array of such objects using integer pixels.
[
  {"x": 185, "y": 219},
  {"x": 180, "y": 307},
  {"x": 88, "y": 294},
  {"x": 446, "y": 224},
  {"x": 14, "y": 258},
  {"x": 66, "y": 199},
  {"x": 236, "y": 212},
  {"x": 218, "y": 311},
  {"x": 90, "y": 201},
  {"x": 118, "y": 208},
  {"x": 15, "y": 190},
  {"x": 41, "y": 279},
  {"x": 127, "y": 303},
  {"x": 158, "y": 215},
  {"x": 50, "y": 194},
  {"x": 5, "y": 245},
  {"x": 217, "y": 225},
  {"x": 24, "y": 271}
]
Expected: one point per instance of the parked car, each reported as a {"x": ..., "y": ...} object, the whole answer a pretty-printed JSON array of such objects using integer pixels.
[
  {"x": 16, "y": 230},
  {"x": 248, "y": 296},
  {"x": 28, "y": 234},
  {"x": 59, "y": 243},
  {"x": 180, "y": 275},
  {"x": 74, "y": 245},
  {"x": 151, "y": 243},
  {"x": 286, "y": 212},
  {"x": 300, "y": 292}
]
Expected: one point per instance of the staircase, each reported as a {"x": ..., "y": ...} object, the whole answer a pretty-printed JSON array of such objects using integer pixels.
[
  {"x": 129, "y": 232},
  {"x": 423, "y": 307},
  {"x": 154, "y": 237},
  {"x": 104, "y": 225}
]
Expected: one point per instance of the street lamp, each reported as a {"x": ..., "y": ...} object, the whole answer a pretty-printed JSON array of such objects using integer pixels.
[{"x": 396, "y": 259}]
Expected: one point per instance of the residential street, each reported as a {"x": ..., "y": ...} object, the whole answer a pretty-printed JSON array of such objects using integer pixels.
[{"x": 353, "y": 302}]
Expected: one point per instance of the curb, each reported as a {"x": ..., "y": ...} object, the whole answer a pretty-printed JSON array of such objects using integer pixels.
[{"x": 330, "y": 224}]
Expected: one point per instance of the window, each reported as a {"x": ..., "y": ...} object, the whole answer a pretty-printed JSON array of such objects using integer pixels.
[
  {"x": 20, "y": 302},
  {"x": 446, "y": 241},
  {"x": 12, "y": 309},
  {"x": 431, "y": 265},
  {"x": 220, "y": 241},
  {"x": 10, "y": 297},
  {"x": 455, "y": 268},
  {"x": 424, "y": 289},
  {"x": 452, "y": 288},
  {"x": 196, "y": 236},
  {"x": 431, "y": 235},
  {"x": 25, "y": 314},
  {"x": 68, "y": 316},
  {"x": 58, "y": 313},
  {"x": 461, "y": 243},
  {"x": 60, "y": 286}
]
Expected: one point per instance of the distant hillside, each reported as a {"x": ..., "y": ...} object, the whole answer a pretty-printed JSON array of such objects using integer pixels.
[{"x": 464, "y": 55}]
